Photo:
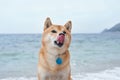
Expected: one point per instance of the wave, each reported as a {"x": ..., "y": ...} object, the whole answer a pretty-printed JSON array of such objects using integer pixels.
[{"x": 111, "y": 74}]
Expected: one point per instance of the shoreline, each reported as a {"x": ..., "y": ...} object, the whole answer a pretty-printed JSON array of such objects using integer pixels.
[{"x": 109, "y": 74}]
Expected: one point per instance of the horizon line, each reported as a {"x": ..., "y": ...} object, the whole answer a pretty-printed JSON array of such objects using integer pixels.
[{"x": 41, "y": 33}]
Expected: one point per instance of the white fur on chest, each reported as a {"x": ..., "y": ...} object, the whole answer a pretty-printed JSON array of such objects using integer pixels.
[
  {"x": 52, "y": 60},
  {"x": 60, "y": 75}
]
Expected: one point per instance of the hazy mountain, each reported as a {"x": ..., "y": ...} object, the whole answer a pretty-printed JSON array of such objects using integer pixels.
[{"x": 115, "y": 28}]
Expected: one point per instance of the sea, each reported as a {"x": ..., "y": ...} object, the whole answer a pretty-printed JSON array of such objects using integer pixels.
[{"x": 93, "y": 56}]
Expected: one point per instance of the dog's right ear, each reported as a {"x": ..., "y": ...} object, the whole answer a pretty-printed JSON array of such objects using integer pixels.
[{"x": 47, "y": 23}]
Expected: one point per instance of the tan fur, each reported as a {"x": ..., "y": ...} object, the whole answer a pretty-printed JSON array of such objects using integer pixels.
[{"x": 47, "y": 67}]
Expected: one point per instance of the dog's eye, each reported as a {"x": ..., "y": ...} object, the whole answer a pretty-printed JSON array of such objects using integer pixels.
[
  {"x": 64, "y": 32},
  {"x": 53, "y": 31}
]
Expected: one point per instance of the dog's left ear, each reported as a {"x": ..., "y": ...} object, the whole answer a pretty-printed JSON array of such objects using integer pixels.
[
  {"x": 68, "y": 26},
  {"x": 47, "y": 23}
]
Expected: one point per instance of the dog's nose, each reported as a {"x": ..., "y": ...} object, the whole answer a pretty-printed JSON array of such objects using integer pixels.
[{"x": 61, "y": 34}]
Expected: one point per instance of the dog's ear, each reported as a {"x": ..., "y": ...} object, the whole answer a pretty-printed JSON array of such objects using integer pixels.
[
  {"x": 47, "y": 23},
  {"x": 68, "y": 26}
]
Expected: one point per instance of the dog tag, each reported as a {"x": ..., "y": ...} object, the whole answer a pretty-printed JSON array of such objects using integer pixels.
[{"x": 59, "y": 61}]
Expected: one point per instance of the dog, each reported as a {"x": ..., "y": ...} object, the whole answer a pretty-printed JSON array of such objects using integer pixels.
[{"x": 54, "y": 56}]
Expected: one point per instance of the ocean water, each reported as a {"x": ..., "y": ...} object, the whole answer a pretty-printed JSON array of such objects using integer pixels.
[{"x": 93, "y": 56}]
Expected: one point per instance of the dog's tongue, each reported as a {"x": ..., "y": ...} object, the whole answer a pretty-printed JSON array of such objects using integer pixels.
[{"x": 60, "y": 38}]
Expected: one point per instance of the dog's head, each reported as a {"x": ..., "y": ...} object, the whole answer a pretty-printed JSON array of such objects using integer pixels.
[{"x": 56, "y": 36}]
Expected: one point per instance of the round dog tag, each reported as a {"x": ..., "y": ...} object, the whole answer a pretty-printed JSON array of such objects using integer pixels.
[{"x": 59, "y": 61}]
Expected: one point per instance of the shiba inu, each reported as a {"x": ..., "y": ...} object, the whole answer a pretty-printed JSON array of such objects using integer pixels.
[{"x": 54, "y": 57}]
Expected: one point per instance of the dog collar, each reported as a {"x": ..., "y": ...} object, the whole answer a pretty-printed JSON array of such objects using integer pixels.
[{"x": 59, "y": 60}]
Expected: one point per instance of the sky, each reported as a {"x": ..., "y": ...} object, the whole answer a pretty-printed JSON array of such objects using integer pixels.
[{"x": 87, "y": 16}]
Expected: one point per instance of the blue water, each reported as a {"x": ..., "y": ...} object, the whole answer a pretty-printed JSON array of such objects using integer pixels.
[{"x": 90, "y": 53}]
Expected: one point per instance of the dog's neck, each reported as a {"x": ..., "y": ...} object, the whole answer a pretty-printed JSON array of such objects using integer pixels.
[
  {"x": 52, "y": 57},
  {"x": 62, "y": 54},
  {"x": 55, "y": 51}
]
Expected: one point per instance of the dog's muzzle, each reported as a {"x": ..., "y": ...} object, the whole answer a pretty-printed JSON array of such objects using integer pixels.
[{"x": 60, "y": 40}]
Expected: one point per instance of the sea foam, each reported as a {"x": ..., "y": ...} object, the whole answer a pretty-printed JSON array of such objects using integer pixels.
[{"x": 111, "y": 74}]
